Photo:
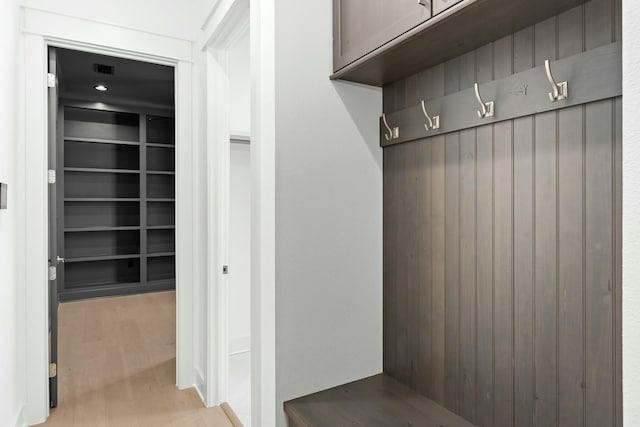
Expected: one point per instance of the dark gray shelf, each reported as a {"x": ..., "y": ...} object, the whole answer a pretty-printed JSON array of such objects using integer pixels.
[
  {"x": 161, "y": 227},
  {"x": 160, "y": 172},
  {"x": 89, "y": 199},
  {"x": 100, "y": 141},
  {"x": 162, "y": 200},
  {"x": 161, "y": 254},
  {"x": 102, "y": 258},
  {"x": 97, "y": 170},
  {"x": 155, "y": 144},
  {"x": 97, "y": 229}
]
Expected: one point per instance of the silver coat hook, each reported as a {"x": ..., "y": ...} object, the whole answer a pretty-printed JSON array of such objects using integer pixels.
[
  {"x": 560, "y": 90},
  {"x": 433, "y": 122},
  {"x": 392, "y": 133},
  {"x": 487, "y": 108}
]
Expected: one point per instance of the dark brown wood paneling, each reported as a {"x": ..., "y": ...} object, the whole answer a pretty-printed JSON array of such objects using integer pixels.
[
  {"x": 484, "y": 254},
  {"x": 599, "y": 262},
  {"x": 437, "y": 206},
  {"x": 503, "y": 248},
  {"x": 468, "y": 284},
  {"x": 523, "y": 257},
  {"x": 452, "y": 270},
  {"x": 617, "y": 300},
  {"x": 531, "y": 328},
  {"x": 424, "y": 234}
]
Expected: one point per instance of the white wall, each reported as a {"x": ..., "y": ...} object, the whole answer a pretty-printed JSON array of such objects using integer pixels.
[
  {"x": 328, "y": 212},
  {"x": 631, "y": 212},
  {"x": 12, "y": 392},
  {"x": 167, "y": 17},
  {"x": 240, "y": 88}
]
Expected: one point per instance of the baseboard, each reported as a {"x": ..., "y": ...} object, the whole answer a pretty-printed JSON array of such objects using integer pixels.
[
  {"x": 200, "y": 387},
  {"x": 20, "y": 419}
]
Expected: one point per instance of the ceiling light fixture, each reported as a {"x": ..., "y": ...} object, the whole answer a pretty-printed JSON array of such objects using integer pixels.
[{"x": 101, "y": 88}]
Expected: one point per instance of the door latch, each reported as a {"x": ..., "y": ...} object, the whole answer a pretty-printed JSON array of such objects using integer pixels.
[
  {"x": 52, "y": 176},
  {"x": 53, "y": 273},
  {"x": 225, "y": 269},
  {"x": 53, "y": 370}
]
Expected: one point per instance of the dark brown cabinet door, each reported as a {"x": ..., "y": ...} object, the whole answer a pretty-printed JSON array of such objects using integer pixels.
[{"x": 361, "y": 26}]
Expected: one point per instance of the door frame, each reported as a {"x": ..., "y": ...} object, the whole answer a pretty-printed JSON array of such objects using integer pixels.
[
  {"x": 40, "y": 30},
  {"x": 225, "y": 22}
]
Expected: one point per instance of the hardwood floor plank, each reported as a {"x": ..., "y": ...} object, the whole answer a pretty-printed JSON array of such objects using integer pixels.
[{"x": 116, "y": 367}]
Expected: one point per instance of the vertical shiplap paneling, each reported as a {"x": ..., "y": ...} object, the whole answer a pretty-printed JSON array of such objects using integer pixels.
[
  {"x": 390, "y": 241},
  {"x": 401, "y": 272},
  {"x": 503, "y": 248},
  {"x": 571, "y": 360},
  {"x": 411, "y": 90},
  {"x": 452, "y": 250},
  {"x": 424, "y": 291},
  {"x": 545, "y": 267},
  {"x": 436, "y": 88},
  {"x": 617, "y": 241},
  {"x": 468, "y": 284},
  {"x": 523, "y": 212},
  {"x": 389, "y": 98},
  {"x": 524, "y": 296},
  {"x": 599, "y": 262},
  {"x": 452, "y": 271},
  {"x": 600, "y": 389},
  {"x": 564, "y": 363},
  {"x": 484, "y": 248},
  {"x": 437, "y": 381},
  {"x": 617, "y": 300},
  {"x": 412, "y": 222},
  {"x": 570, "y": 269}
]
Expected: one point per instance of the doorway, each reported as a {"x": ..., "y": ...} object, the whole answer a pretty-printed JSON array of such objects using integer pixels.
[{"x": 112, "y": 198}]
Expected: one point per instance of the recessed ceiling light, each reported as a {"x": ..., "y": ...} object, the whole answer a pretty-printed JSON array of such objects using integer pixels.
[{"x": 101, "y": 88}]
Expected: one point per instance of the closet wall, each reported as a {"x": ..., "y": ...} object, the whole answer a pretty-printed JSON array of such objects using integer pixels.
[{"x": 502, "y": 244}]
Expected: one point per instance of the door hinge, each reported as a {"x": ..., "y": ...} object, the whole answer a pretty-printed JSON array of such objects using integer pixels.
[
  {"x": 51, "y": 80},
  {"x": 52, "y": 176},
  {"x": 53, "y": 273},
  {"x": 53, "y": 370}
]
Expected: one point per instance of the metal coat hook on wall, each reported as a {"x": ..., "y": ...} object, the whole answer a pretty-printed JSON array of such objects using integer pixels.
[
  {"x": 393, "y": 133},
  {"x": 487, "y": 108},
  {"x": 560, "y": 91},
  {"x": 433, "y": 123}
]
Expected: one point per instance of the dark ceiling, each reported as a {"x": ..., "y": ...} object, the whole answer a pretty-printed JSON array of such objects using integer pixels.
[{"x": 132, "y": 81}]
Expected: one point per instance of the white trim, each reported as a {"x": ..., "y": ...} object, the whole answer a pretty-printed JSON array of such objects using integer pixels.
[
  {"x": 20, "y": 418},
  {"x": 263, "y": 195},
  {"x": 185, "y": 369},
  {"x": 226, "y": 23},
  {"x": 40, "y": 30},
  {"x": 103, "y": 35},
  {"x": 200, "y": 386},
  {"x": 218, "y": 159},
  {"x": 108, "y": 23}
]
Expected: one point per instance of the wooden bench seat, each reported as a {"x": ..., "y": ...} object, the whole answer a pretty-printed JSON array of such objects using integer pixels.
[{"x": 378, "y": 401}]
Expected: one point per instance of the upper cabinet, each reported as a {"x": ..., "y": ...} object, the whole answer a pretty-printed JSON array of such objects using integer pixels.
[
  {"x": 377, "y": 42},
  {"x": 360, "y": 26}
]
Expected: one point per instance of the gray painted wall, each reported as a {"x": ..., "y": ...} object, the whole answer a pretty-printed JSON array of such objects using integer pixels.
[{"x": 328, "y": 213}]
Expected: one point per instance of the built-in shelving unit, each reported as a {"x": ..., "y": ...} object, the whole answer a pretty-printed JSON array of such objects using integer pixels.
[{"x": 117, "y": 201}]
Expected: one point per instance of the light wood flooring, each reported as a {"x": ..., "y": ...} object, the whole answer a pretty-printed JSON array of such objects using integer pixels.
[{"x": 116, "y": 366}]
